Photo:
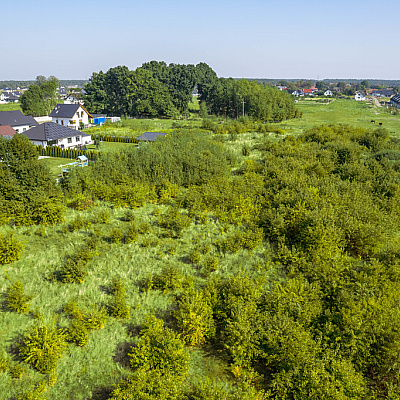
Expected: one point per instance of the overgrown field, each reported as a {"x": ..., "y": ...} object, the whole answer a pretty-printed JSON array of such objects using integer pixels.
[{"x": 232, "y": 266}]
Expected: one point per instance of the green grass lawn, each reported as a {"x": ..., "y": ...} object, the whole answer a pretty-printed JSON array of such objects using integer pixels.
[
  {"x": 10, "y": 107},
  {"x": 342, "y": 111}
]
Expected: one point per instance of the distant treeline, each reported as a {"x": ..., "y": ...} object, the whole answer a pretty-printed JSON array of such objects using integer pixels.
[
  {"x": 21, "y": 84},
  {"x": 159, "y": 90}
]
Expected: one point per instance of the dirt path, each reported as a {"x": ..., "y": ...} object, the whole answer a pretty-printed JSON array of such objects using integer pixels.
[{"x": 377, "y": 103}]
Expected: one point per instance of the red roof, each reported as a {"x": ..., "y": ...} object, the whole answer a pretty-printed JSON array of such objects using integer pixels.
[
  {"x": 6, "y": 130},
  {"x": 307, "y": 90}
]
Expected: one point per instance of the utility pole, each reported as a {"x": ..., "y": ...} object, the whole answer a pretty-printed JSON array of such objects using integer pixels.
[{"x": 243, "y": 103}]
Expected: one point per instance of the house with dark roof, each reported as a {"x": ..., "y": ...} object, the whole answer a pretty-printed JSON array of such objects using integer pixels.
[
  {"x": 7, "y": 97},
  {"x": 52, "y": 134},
  {"x": 383, "y": 93},
  {"x": 17, "y": 120},
  {"x": 150, "y": 136},
  {"x": 6, "y": 131},
  {"x": 395, "y": 101},
  {"x": 72, "y": 115}
]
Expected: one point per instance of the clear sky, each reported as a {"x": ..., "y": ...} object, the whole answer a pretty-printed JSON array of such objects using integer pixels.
[{"x": 312, "y": 39}]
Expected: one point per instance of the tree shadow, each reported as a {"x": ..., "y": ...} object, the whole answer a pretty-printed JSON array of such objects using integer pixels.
[
  {"x": 121, "y": 354},
  {"x": 101, "y": 393}
]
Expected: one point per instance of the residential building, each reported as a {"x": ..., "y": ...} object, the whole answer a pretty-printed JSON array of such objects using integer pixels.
[
  {"x": 18, "y": 121},
  {"x": 359, "y": 96},
  {"x": 395, "y": 101},
  {"x": 73, "y": 116},
  {"x": 6, "y": 131},
  {"x": 52, "y": 134}
]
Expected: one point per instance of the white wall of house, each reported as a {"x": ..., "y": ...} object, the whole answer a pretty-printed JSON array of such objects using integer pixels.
[
  {"x": 80, "y": 116},
  {"x": 21, "y": 128},
  {"x": 74, "y": 141}
]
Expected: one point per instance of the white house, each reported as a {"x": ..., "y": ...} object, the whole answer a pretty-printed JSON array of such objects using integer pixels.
[
  {"x": 328, "y": 93},
  {"x": 52, "y": 134},
  {"x": 18, "y": 121},
  {"x": 72, "y": 100},
  {"x": 72, "y": 115},
  {"x": 359, "y": 96}
]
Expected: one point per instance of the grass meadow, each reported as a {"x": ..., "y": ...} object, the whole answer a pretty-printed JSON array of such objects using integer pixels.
[
  {"x": 89, "y": 372},
  {"x": 10, "y": 107}
]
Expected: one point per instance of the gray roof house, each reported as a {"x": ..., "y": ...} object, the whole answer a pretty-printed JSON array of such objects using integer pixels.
[
  {"x": 395, "y": 101},
  {"x": 150, "y": 136},
  {"x": 52, "y": 134},
  {"x": 18, "y": 121}
]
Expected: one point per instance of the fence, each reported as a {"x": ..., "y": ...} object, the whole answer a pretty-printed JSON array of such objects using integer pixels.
[{"x": 55, "y": 151}]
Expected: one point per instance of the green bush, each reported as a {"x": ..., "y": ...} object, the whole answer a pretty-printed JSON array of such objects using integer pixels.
[
  {"x": 195, "y": 318},
  {"x": 16, "y": 371},
  {"x": 159, "y": 348},
  {"x": 116, "y": 235},
  {"x": 10, "y": 248},
  {"x": 74, "y": 271},
  {"x": 117, "y": 307},
  {"x": 174, "y": 222},
  {"x": 42, "y": 346},
  {"x": 169, "y": 279},
  {"x": 103, "y": 216},
  {"x": 77, "y": 333},
  {"x": 131, "y": 235},
  {"x": 149, "y": 385},
  {"x": 211, "y": 264},
  {"x": 93, "y": 318},
  {"x": 194, "y": 257},
  {"x": 16, "y": 299},
  {"x": 81, "y": 202},
  {"x": 144, "y": 228},
  {"x": 129, "y": 216}
]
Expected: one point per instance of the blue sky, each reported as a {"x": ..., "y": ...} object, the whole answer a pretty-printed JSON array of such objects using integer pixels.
[{"x": 266, "y": 39}]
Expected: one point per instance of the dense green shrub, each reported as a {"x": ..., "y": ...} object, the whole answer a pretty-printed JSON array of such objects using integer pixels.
[
  {"x": 174, "y": 222},
  {"x": 16, "y": 299},
  {"x": 42, "y": 346},
  {"x": 78, "y": 333},
  {"x": 73, "y": 271},
  {"x": 10, "y": 248},
  {"x": 149, "y": 385},
  {"x": 116, "y": 235},
  {"x": 132, "y": 234},
  {"x": 195, "y": 318},
  {"x": 81, "y": 202},
  {"x": 117, "y": 306},
  {"x": 159, "y": 348},
  {"x": 93, "y": 318},
  {"x": 169, "y": 279}
]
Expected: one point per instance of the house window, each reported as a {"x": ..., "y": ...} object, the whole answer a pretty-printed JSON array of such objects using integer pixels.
[
  {"x": 69, "y": 140},
  {"x": 72, "y": 122},
  {"x": 81, "y": 114},
  {"x": 24, "y": 129},
  {"x": 62, "y": 122},
  {"x": 78, "y": 138}
]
